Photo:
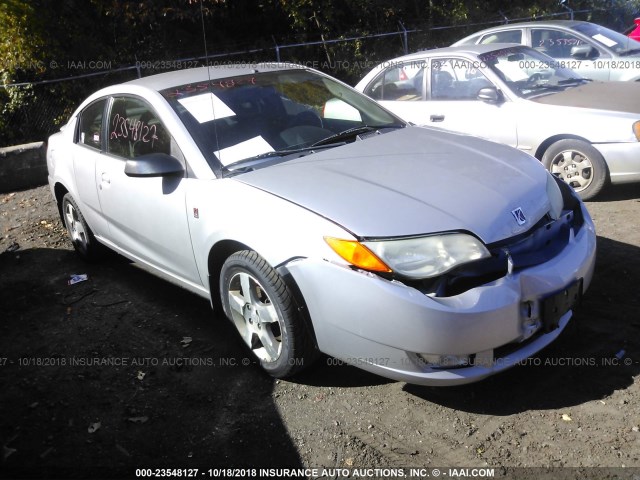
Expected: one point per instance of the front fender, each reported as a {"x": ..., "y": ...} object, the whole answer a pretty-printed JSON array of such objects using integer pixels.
[{"x": 225, "y": 210}]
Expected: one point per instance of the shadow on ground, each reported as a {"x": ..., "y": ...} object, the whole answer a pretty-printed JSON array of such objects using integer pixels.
[
  {"x": 614, "y": 193},
  {"x": 583, "y": 364},
  {"x": 124, "y": 371}
]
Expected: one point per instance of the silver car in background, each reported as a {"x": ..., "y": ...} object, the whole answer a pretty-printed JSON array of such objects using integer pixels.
[
  {"x": 594, "y": 51},
  {"x": 423, "y": 256},
  {"x": 587, "y": 133}
]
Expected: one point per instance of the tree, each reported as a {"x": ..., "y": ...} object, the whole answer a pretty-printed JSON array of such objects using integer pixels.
[
  {"x": 19, "y": 52},
  {"x": 53, "y": 39}
]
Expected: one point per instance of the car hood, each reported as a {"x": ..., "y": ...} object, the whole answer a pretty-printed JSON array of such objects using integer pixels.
[
  {"x": 414, "y": 181},
  {"x": 614, "y": 96}
]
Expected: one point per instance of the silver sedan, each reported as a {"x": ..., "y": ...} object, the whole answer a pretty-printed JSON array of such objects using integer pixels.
[
  {"x": 587, "y": 133},
  {"x": 594, "y": 51},
  {"x": 318, "y": 221}
]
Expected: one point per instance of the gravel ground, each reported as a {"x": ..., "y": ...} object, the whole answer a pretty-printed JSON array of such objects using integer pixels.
[{"x": 125, "y": 371}]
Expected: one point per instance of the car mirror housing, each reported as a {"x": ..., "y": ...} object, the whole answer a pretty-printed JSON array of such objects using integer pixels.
[
  {"x": 583, "y": 52},
  {"x": 489, "y": 95},
  {"x": 153, "y": 165}
]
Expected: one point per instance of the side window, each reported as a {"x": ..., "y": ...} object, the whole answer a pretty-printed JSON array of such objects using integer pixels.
[
  {"x": 134, "y": 129},
  {"x": 555, "y": 43},
  {"x": 400, "y": 82},
  {"x": 374, "y": 89},
  {"x": 90, "y": 131},
  {"x": 456, "y": 79},
  {"x": 509, "y": 36}
]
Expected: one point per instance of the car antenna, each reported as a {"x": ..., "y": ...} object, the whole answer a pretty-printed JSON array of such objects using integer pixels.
[{"x": 206, "y": 59}]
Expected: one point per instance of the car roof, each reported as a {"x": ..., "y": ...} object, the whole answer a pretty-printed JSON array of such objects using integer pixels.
[
  {"x": 547, "y": 23},
  {"x": 163, "y": 81},
  {"x": 469, "y": 49}
]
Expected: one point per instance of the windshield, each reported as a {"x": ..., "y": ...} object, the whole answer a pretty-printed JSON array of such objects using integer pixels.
[
  {"x": 270, "y": 114},
  {"x": 528, "y": 72},
  {"x": 608, "y": 38}
]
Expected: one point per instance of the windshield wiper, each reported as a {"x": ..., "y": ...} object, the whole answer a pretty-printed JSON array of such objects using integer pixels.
[
  {"x": 273, "y": 154},
  {"x": 573, "y": 81},
  {"x": 560, "y": 85},
  {"x": 629, "y": 52},
  {"x": 327, "y": 142},
  {"x": 545, "y": 86},
  {"x": 352, "y": 132}
]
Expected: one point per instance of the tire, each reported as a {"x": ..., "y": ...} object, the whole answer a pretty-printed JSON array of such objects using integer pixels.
[
  {"x": 80, "y": 234},
  {"x": 259, "y": 304},
  {"x": 579, "y": 164}
]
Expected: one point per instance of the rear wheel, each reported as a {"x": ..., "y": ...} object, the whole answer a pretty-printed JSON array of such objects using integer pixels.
[
  {"x": 259, "y": 304},
  {"x": 579, "y": 164},
  {"x": 80, "y": 234}
]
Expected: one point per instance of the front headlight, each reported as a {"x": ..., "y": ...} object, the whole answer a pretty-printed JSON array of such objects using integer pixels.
[
  {"x": 636, "y": 130},
  {"x": 425, "y": 257},
  {"x": 420, "y": 257}
]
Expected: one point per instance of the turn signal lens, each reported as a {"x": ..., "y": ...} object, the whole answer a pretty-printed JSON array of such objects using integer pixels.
[
  {"x": 357, "y": 254},
  {"x": 636, "y": 130}
]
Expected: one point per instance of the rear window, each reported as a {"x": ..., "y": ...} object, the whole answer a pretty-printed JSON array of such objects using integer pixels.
[{"x": 509, "y": 36}]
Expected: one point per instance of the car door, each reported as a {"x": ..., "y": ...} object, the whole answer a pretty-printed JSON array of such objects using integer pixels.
[
  {"x": 146, "y": 216},
  {"x": 452, "y": 102},
  {"x": 558, "y": 44},
  {"x": 87, "y": 151}
]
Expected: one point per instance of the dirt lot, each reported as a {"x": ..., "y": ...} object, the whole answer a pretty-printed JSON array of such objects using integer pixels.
[{"x": 126, "y": 371}]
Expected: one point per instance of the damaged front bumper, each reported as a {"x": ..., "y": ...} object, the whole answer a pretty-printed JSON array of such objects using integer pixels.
[{"x": 397, "y": 331}]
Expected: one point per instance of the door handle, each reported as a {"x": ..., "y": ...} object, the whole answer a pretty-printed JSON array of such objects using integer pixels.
[
  {"x": 104, "y": 180},
  {"x": 436, "y": 118}
]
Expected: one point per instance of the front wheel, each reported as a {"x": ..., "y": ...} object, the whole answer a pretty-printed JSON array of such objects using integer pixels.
[
  {"x": 260, "y": 306},
  {"x": 579, "y": 164}
]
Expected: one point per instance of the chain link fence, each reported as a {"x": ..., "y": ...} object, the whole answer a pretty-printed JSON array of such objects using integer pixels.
[
  {"x": 38, "y": 109},
  {"x": 42, "y": 107}
]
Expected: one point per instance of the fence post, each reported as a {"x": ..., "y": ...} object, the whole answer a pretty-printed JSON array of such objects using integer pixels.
[
  {"x": 405, "y": 42},
  {"x": 277, "y": 49},
  {"x": 505, "y": 18},
  {"x": 567, "y": 7},
  {"x": 137, "y": 66}
]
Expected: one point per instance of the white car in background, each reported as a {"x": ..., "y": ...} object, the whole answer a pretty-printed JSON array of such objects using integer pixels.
[{"x": 587, "y": 133}]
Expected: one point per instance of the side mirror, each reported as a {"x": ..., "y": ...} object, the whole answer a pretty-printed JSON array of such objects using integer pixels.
[
  {"x": 583, "y": 52},
  {"x": 153, "y": 165},
  {"x": 489, "y": 95}
]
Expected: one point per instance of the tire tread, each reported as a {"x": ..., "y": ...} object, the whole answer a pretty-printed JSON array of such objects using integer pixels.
[{"x": 301, "y": 345}]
